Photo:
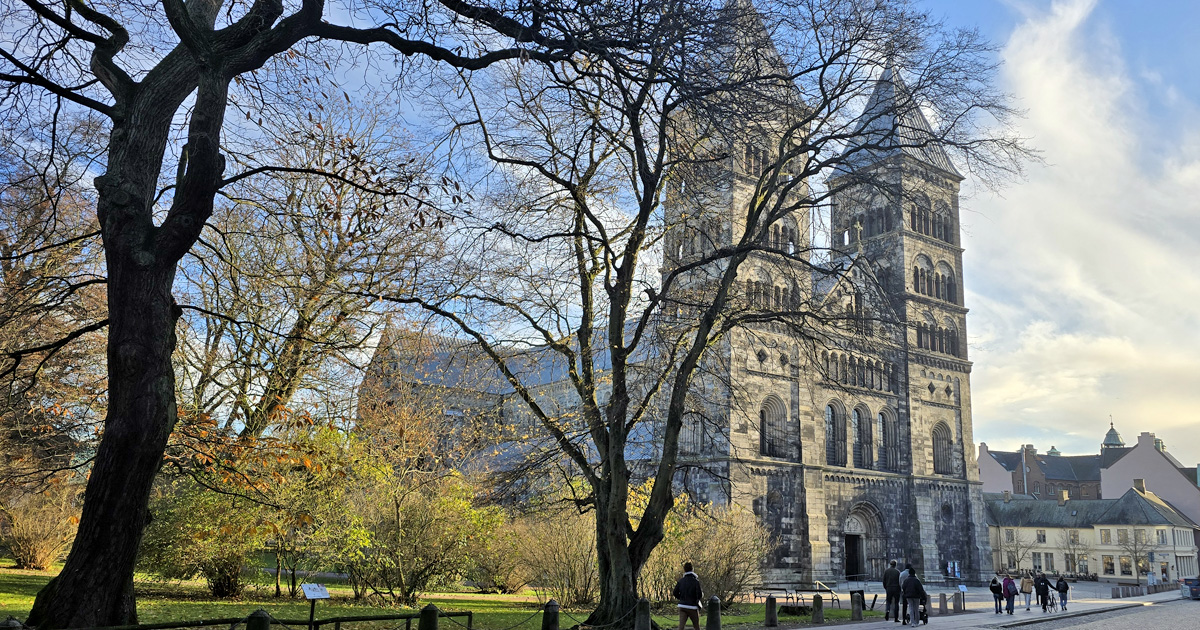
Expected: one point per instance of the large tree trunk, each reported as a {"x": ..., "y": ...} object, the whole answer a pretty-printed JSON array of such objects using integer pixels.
[{"x": 95, "y": 587}]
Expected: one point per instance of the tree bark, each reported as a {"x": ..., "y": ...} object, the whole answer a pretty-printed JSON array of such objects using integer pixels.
[{"x": 95, "y": 586}]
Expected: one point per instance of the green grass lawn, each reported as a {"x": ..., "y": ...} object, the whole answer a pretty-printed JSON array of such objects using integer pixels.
[{"x": 163, "y": 602}]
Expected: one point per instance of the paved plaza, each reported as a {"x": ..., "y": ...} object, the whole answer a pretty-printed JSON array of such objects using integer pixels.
[{"x": 1090, "y": 610}]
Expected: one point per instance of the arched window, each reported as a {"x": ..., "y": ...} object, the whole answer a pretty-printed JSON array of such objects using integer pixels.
[
  {"x": 943, "y": 459},
  {"x": 891, "y": 442},
  {"x": 772, "y": 418},
  {"x": 835, "y": 437},
  {"x": 864, "y": 448}
]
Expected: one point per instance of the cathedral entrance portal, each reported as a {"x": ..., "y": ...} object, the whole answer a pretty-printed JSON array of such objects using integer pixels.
[
  {"x": 855, "y": 569},
  {"x": 863, "y": 544}
]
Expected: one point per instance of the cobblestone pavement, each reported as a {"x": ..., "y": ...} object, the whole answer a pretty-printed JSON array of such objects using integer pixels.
[{"x": 1174, "y": 615}]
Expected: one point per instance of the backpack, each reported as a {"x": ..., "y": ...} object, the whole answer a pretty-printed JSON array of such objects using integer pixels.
[{"x": 1010, "y": 589}]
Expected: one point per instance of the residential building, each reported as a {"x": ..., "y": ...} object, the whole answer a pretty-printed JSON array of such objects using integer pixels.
[{"x": 1118, "y": 540}]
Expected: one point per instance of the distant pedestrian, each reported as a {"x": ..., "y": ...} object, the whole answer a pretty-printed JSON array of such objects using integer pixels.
[
  {"x": 688, "y": 592},
  {"x": 997, "y": 589},
  {"x": 1010, "y": 593},
  {"x": 891, "y": 586},
  {"x": 1042, "y": 586},
  {"x": 1062, "y": 587},
  {"x": 1026, "y": 587},
  {"x": 914, "y": 594}
]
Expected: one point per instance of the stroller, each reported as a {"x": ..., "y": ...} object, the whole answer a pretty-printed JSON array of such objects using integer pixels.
[{"x": 922, "y": 611}]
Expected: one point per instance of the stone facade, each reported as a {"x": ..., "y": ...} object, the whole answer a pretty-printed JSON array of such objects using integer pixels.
[{"x": 854, "y": 445}]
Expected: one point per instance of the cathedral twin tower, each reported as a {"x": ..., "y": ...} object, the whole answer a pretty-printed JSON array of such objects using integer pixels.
[{"x": 851, "y": 439}]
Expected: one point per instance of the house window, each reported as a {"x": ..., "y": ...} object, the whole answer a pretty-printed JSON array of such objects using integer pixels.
[
  {"x": 1012, "y": 560},
  {"x": 1122, "y": 536},
  {"x": 1037, "y": 561},
  {"x": 1140, "y": 536},
  {"x": 1074, "y": 536},
  {"x": 1108, "y": 565},
  {"x": 1041, "y": 536},
  {"x": 1009, "y": 535},
  {"x": 1069, "y": 560},
  {"x": 1162, "y": 536},
  {"x": 1049, "y": 561},
  {"x": 1106, "y": 537},
  {"x": 1082, "y": 564},
  {"x": 1126, "y": 565}
]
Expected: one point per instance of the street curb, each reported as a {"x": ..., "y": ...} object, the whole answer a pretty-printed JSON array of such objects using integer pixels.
[{"x": 1070, "y": 615}]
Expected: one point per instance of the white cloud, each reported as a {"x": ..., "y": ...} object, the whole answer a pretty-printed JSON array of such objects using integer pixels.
[{"x": 1084, "y": 283}]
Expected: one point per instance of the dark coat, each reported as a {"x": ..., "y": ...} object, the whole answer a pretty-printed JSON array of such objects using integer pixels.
[
  {"x": 891, "y": 580},
  {"x": 1062, "y": 586},
  {"x": 996, "y": 587},
  {"x": 687, "y": 590},
  {"x": 1041, "y": 585},
  {"x": 913, "y": 588}
]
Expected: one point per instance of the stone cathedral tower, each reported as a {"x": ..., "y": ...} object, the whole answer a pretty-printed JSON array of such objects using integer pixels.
[{"x": 854, "y": 444}]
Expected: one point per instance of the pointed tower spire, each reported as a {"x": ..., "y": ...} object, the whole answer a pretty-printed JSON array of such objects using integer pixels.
[{"x": 892, "y": 124}]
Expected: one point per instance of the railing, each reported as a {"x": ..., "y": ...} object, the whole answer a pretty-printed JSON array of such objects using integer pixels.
[{"x": 262, "y": 620}]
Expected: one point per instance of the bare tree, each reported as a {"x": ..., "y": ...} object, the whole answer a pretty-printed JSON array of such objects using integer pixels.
[
  {"x": 1075, "y": 546},
  {"x": 1138, "y": 544},
  {"x": 601, "y": 271},
  {"x": 162, "y": 77},
  {"x": 1015, "y": 543}
]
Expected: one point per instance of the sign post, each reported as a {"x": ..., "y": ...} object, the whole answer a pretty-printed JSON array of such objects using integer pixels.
[{"x": 313, "y": 592}]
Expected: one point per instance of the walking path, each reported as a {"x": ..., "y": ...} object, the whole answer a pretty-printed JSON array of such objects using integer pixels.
[{"x": 981, "y": 610}]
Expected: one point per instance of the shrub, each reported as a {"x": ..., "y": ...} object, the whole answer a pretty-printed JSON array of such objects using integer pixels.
[
  {"x": 726, "y": 544},
  {"x": 560, "y": 550},
  {"x": 38, "y": 528},
  {"x": 196, "y": 531},
  {"x": 497, "y": 565}
]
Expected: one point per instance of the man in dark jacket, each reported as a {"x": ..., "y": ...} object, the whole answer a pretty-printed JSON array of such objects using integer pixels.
[
  {"x": 1042, "y": 587},
  {"x": 688, "y": 592},
  {"x": 891, "y": 585},
  {"x": 997, "y": 588},
  {"x": 914, "y": 594}
]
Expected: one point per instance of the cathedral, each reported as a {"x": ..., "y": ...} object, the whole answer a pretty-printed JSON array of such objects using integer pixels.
[
  {"x": 853, "y": 444},
  {"x": 851, "y": 439}
]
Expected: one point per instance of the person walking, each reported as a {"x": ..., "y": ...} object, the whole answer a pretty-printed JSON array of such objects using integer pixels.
[
  {"x": 1062, "y": 587},
  {"x": 1026, "y": 587},
  {"x": 914, "y": 594},
  {"x": 1042, "y": 586},
  {"x": 891, "y": 586},
  {"x": 1010, "y": 593},
  {"x": 688, "y": 592},
  {"x": 997, "y": 589}
]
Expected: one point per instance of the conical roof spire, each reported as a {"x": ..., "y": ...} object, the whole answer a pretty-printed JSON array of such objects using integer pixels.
[
  {"x": 1112, "y": 439},
  {"x": 892, "y": 124}
]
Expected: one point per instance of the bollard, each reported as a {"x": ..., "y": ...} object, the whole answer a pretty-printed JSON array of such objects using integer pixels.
[
  {"x": 714, "y": 614},
  {"x": 550, "y": 616},
  {"x": 641, "y": 618},
  {"x": 818, "y": 609},
  {"x": 258, "y": 620},
  {"x": 874, "y": 599},
  {"x": 772, "y": 617},
  {"x": 941, "y": 610},
  {"x": 429, "y": 618},
  {"x": 856, "y": 606}
]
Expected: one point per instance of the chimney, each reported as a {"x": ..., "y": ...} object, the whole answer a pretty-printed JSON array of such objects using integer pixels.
[
  {"x": 1007, "y": 496},
  {"x": 1139, "y": 485},
  {"x": 1062, "y": 497}
]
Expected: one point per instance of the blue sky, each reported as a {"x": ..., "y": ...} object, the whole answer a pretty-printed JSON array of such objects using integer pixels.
[{"x": 1082, "y": 279}]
